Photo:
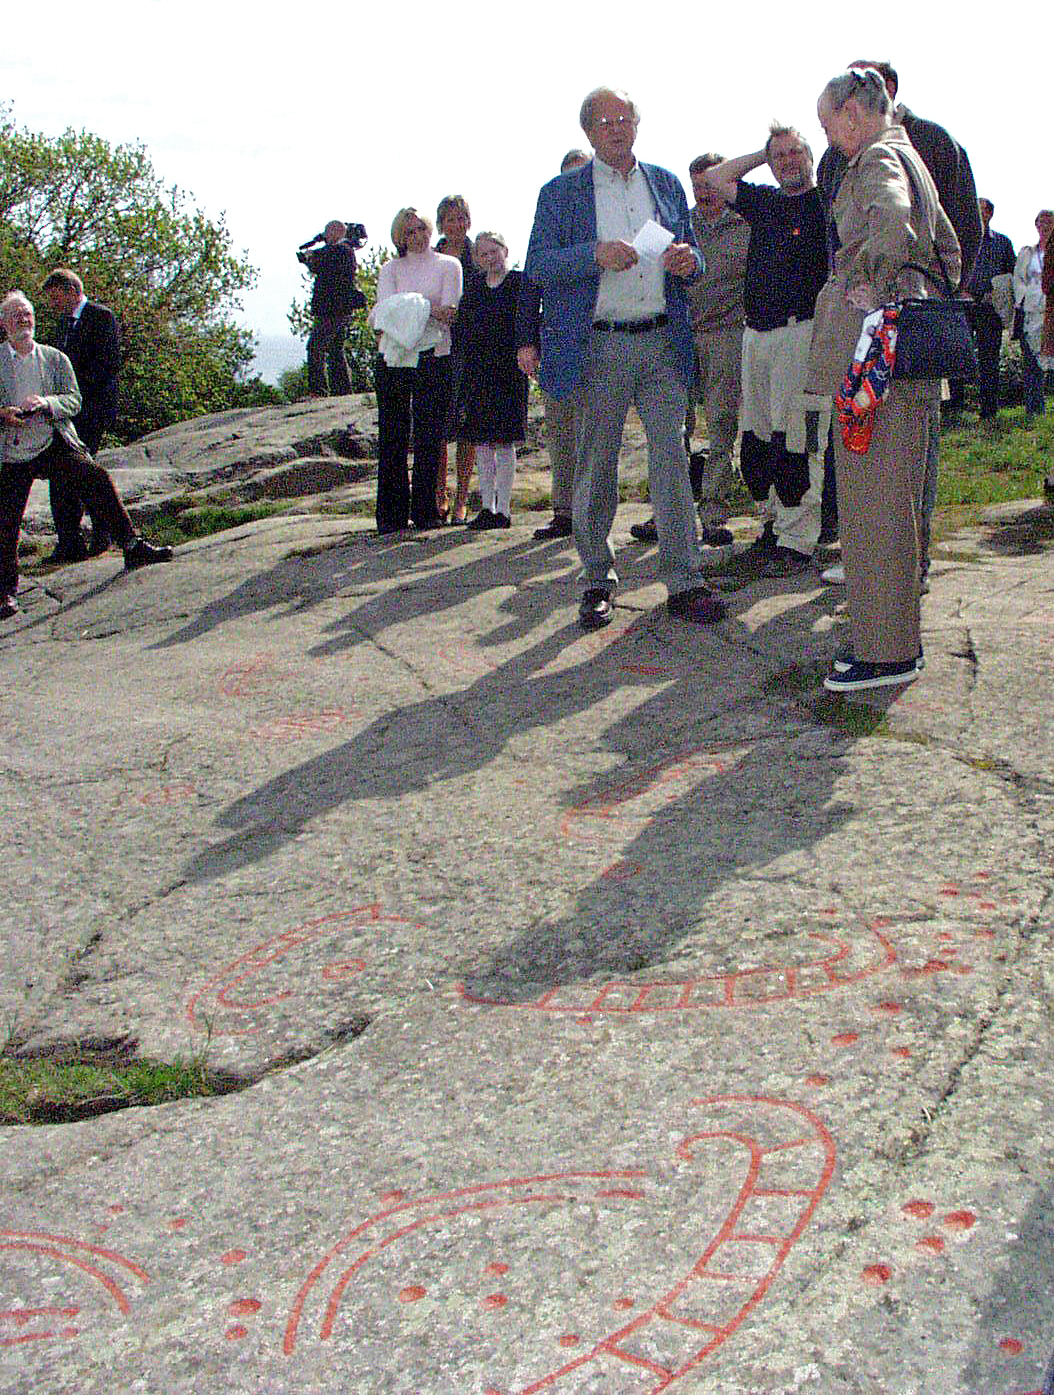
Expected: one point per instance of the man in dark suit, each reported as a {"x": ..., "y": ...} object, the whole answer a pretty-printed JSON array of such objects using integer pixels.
[
  {"x": 615, "y": 333},
  {"x": 89, "y": 336}
]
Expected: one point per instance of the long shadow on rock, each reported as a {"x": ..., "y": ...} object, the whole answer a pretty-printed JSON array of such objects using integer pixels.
[
  {"x": 447, "y": 736},
  {"x": 295, "y": 583},
  {"x": 678, "y": 831}
]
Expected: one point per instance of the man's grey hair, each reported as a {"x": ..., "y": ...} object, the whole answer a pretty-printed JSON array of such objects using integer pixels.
[
  {"x": 777, "y": 128},
  {"x": 585, "y": 115},
  {"x": 864, "y": 85},
  {"x": 12, "y": 298},
  {"x": 573, "y": 159}
]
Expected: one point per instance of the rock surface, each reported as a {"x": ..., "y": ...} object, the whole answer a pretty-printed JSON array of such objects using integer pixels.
[{"x": 612, "y": 1015}]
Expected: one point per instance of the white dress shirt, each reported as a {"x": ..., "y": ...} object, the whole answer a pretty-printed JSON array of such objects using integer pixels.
[{"x": 624, "y": 204}]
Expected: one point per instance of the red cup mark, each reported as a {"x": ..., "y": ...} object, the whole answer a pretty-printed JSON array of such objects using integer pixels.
[
  {"x": 932, "y": 1244},
  {"x": 496, "y": 1267},
  {"x": 890, "y": 1008},
  {"x": 902, "y": 1053},
  {"x": 495, "y": 1300},
  {"x": 919, "y": 1210},
  {"x": 818, "y": 1080},
  {"x": 960, "y": 1220},
  {"x": 177, "y": 1223},
  {"x": 236, "y": 1333},
  {"x": 624, "y": 1304},
  {"x": 1011, "y": 1346},
  {"x": 845, "y": 1038},
  {"x": 412, "y": 1293},
  {"x": 394, "y": 1196},
  {"x": 569, "y": 1339},
  {"x": 234, "y": 1257},
  {"x": 244, "y": 1307},
  {"x": 876, "y": 1274}
]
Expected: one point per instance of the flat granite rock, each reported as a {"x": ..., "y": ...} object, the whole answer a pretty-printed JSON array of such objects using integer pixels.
[{"x": 604, "y": 1013}]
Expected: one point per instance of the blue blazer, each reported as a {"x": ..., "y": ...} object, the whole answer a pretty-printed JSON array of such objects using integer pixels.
[{"x": 560, "y": 259}]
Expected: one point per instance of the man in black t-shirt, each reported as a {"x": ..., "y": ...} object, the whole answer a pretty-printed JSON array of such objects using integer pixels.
[{"x": 784, "y": 433}]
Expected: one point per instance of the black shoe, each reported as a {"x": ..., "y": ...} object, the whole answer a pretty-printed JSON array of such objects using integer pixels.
[
  {"x": 482, "y": 521},
  {"x": 787, "y": 562},
  {"x": 828, "y": 534},
  {"x": 8, "y": 607},
  {"x": 645, "y": 532},
  {"x": 753, "y": 560},
  {"x": 594, "y": 612},
  {"x": 100, "y": 541},
  {"x": 863, "y": 675},
  {"x": 717, "y": 537},
  {"x": 501, "y": 520},
  {"x": 74, "y": 550},
  {"x": 698, "y": 605},
  {"x": 140, "y": 553},
  {"x": 426, "y": 525},
  {"x": 559, "y": 528}
]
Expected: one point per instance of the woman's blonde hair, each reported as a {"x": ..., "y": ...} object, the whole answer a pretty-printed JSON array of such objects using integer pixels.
[
  {"x": 399, "y": 223},
  {"x": 490, "y": 237}
]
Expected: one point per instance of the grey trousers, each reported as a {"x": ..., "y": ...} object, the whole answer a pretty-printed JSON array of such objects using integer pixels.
[
  {"x": 622, "y": 371},
  {"x": 878, "y": 517},
  {"x": 560, "y": 438}
]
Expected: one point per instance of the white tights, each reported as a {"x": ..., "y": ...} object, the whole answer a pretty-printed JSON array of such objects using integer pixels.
[{"x": 497, "y": 468}]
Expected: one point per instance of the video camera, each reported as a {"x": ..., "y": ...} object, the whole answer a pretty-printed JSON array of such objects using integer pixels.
[{"x": 355, "y": 237}]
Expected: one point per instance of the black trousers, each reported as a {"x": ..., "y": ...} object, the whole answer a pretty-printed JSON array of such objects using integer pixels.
[
  {"x": 87, "y": 481},
  {"x": 67, "y": 507},
  {"x": 325, "y": 349},
  {"x": 409, "y": 401}
]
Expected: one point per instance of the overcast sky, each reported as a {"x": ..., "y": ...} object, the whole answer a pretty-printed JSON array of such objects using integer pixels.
[{"x": 283, "y": 117}]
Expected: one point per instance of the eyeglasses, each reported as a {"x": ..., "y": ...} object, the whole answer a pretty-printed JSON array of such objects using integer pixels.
[{"x": 603, "y": 122}]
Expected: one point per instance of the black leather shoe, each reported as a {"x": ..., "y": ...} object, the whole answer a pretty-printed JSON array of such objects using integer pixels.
[
  {"x": 8, "y": 607},
  {"x": 559, "y": 528},
  {"x": 140, "y": 553},
  {"x": 483, "y": 520},
  {"x": 594, "y": 612},
  {"x": 717, "y": 537},
  {"x": 75, "y": 550},
  {"x": 699, "y": 606},
  {"x": 100, "y": 542},
  {"x": 645, "y": 532}
]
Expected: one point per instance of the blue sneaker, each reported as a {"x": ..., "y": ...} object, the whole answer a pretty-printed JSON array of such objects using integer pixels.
[{"x": 861, "y": 675}]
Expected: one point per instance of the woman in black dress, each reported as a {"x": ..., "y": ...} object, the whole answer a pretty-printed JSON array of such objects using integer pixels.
[{"x": 493, "y": 401}]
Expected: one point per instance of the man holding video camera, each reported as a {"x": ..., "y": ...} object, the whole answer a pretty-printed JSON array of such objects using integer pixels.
[{"x": 334, "y": 300}]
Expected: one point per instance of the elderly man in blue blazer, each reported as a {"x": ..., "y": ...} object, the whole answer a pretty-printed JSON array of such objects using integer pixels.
[{"x": 615, "y": 332}]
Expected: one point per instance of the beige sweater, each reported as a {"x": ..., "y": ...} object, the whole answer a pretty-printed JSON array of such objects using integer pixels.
[{"x": 884, "y": 220}]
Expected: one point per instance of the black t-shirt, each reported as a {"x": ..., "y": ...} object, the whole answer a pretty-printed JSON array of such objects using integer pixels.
[
  {"x": 335, "y": 291},
  {"x": 787, "y": 258}
]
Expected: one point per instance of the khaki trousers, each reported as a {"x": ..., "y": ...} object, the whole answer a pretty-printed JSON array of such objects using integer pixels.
[{"x": 878, "y": 506}]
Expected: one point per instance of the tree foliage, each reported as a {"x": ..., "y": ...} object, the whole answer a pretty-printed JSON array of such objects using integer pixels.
[
  {"x": 167, "y": 271},
  {"x": 361, "y": 343}
]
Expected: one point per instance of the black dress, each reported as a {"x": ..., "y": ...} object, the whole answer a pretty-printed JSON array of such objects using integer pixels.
[{"x": 492, "y": 403}]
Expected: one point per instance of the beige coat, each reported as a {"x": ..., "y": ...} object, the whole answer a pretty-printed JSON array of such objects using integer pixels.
[{"x": 884, "y": 221}]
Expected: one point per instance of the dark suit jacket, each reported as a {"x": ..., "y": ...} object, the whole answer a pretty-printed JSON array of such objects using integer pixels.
[
  {"x": 93, "y": 345},
  {"x": 560, "y": 260}
]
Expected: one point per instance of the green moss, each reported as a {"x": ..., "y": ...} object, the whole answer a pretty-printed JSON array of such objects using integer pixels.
[{"x": 82, "y": 1084}]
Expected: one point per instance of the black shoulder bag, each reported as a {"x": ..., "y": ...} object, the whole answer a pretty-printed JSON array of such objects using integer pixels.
[{"x": 934, "y": 339}]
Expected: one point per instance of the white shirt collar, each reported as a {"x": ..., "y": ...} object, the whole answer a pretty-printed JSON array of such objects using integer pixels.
[
  {"x": 76, "y": 312},
  {"x": 610, "y": 172}
]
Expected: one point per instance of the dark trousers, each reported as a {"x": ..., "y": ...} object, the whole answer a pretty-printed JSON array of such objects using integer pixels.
[
  {"x": 988, "y": 331},
  {"x": 67, "y": 507},
  {"x": 409, "y": 400},
  {"x": 326, "y": 345},
  {"x": 1033, "y": 380},
  {"x": 87, "y": 481}
]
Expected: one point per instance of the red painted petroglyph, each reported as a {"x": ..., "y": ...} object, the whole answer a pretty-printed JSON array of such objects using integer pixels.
[
  {"x": 167, "y": 794},
  {"x": 297, "y": 725},
  {"x": 876, "y": 1274},
  {"x": 216, "y": 1006},
  {"x": 716, "y": 1291},
  {"x": 1011, "y": 1346},
  {"x": 248, "y": 676},
  {"x": 931, "y": 1244},
  {"x": 75, "y": 1260},
  {"x": 845, "y": 1038},
  {"x": 741, "y": 988},
  {"x": 234, "y": 1257}
]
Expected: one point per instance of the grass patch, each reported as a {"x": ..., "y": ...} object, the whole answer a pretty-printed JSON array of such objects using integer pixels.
[
  {"x": 182, "y": 520},
  {"x": 854, "y": 718},
  {"x": 984, "y": 463},
  {"x": 794, "y": 680},
  {"x": 58, "y": 1089}
]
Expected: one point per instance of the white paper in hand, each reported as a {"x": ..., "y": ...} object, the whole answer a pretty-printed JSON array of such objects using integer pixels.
[{"x": 652, "y": 241}]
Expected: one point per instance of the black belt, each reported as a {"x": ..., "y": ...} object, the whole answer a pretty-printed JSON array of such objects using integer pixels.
[{"x": 632, "y": 326}]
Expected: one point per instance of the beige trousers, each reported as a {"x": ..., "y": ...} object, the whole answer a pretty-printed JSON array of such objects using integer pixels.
[{"x": 878, "y": 496}]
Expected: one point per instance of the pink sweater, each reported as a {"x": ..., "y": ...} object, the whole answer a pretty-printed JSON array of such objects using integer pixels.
[{"x": 431, "y": 274}]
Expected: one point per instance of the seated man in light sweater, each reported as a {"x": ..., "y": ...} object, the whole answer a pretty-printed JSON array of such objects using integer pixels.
[{"x": 39, "y": 399}]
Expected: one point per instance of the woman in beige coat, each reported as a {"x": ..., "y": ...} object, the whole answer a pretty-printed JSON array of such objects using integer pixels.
[{"x": 887, "y": 215}]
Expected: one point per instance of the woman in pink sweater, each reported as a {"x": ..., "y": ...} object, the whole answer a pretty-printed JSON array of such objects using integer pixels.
[{"x": 414, "y": 397}]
